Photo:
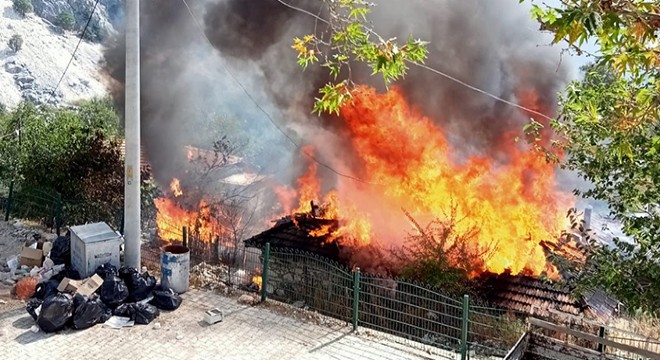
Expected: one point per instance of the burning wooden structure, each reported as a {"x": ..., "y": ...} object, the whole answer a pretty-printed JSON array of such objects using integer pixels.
[{"x": 298, "y": 232}]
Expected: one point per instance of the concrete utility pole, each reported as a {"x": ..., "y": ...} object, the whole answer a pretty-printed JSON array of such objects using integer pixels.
[{"x": 132, "y": 225}]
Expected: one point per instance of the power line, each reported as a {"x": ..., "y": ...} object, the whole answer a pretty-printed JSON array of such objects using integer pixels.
[
  {"x": 310, "y": 156},
  {"x": 73, "y": 55},
  {"x": 436, "y": 71}
]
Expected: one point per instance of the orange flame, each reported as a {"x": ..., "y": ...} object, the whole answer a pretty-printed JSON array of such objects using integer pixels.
[
  {"x": 171, "y": 218},
  {"x": 175, "y": 187},
  {"x": 514, "y": 204}
]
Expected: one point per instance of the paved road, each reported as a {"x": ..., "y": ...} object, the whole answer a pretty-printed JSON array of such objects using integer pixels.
[{"x": 246, "y": 333}]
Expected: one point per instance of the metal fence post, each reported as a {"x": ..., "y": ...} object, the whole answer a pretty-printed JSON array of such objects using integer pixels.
[
  {"x": 184, "y": 240},
  {"x": 58, "y": 214},
  {"x": 264, "y": 274},
  {"x": 464, "y": 327},
  {"x": 9, "y": 198},
  {"x": 356, "y": 297},
  {"x": 601, "y": 334}
]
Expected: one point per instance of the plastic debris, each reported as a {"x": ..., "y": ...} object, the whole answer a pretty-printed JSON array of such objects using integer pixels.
[
  {"x": 118, "y": 322},
  {"x": 33, "y": 307},
  {"x": 26, "y": 287}
]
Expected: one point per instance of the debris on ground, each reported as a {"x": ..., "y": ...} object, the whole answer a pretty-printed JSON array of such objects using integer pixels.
[
  {"x": 41, "y": 273},
  {"x": 208, "y": 276},
  {"x": 247, "y": 299}
]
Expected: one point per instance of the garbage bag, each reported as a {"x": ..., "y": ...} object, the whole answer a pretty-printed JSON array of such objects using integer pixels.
[
  {"x": 138, "y": 312},
  {"x": 166, "y": 299},
  {"x": 55, "y": 312},
  {"x": 140, "y": 286},
  {"x": 114, "y": 291},
  {"x": 106, "y": 271},
  {"x": 68, "y": 272},
  {"x": 89, "y": 312},
  {"x": 60, "y": 253},
  {"x": 26, "y": 287},
  {"x": 126, "y": 272},
  {"x": 46, "y": 289},
  {"x": 32, "y": 306}
]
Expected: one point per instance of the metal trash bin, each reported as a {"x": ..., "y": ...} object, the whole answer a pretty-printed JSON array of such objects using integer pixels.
[{"x": 175, "y": 268}]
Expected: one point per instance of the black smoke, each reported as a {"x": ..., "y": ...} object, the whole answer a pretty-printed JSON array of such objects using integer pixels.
[{"x": 492, "y": 45}]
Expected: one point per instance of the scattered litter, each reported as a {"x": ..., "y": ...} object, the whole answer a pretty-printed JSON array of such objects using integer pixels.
[
  {"x": 2, "y": 302},
  {"x": 12, "y": 263},
  {"x": 118, "y": 322},
  {"x": 179, "y": 336},
  {"x": 213, "y": 316},
  {"x": 157, "y": 326},
  {"x": 34, "y": 329},
  {"x": 33, "y": 307}
]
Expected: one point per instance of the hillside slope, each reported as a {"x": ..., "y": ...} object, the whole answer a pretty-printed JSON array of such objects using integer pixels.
[{"x": 33, "y": 72}]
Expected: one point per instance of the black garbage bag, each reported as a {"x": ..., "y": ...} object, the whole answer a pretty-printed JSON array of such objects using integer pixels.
[
  {"x": 126, "y": 272},
  {"x": 106, "y": 271},
  {"x": 166, "y": 299},
  {"x": 46, "y": 289},
  {"x": 140, "y": 286},
  {"x": 138, "y": 312},
  {"x": 68, "y": 272},
  {"x": 107, "y": 314},
  {"x": 89, "y": 312},
  {"x": 60, "y": 253},
  {"x": 114, "y": 291},
  {"x": 32, "y": 306},
  {"x": 55, "y": 313}
]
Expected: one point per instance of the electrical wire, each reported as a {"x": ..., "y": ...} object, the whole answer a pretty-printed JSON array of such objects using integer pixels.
[
  {"x": 73, "y": 55},
  {"x": 310, "y": 156}
]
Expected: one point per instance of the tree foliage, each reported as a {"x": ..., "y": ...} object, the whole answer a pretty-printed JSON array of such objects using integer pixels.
[
  {"x": 609, "y": 131},
  {"x": 349, "y": 38},
  {"x": 65, "y": 20},
  {"x": 15, "y": 43},
  {"x": 22, "y": 7},
  {"x": 75, "y": 152}
]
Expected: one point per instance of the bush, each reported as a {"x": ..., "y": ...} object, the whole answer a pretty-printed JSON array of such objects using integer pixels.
[
  {"x": 22, "y": 7},
  {"x": 65, "y": 20},
  {"x": 15, "y": 43}
]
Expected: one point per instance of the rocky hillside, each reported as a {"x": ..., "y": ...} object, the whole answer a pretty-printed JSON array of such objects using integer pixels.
[{"x": 32, "y": 72}]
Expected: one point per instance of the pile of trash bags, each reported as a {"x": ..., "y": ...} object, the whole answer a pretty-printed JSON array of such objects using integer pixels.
[{"x": 125, "y": 293}]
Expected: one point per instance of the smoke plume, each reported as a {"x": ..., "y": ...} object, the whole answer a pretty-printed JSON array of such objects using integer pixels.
[{"x": 492, "y": 45}]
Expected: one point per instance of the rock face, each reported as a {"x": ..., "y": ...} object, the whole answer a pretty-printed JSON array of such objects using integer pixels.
[
  {"x": 32, "y": 73},
  {"x": 30, "y": 89},
  {"x": 106, "y": 19}
]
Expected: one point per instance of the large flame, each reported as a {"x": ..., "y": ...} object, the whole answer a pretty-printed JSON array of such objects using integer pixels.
[
  {"x": 171, "y": 218},
  {"x": 408, "y": 164}
]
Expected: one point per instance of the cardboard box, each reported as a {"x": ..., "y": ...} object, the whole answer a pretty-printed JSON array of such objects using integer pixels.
[
  {"x": 69, "y": 285},
  {"x": 90, "y": 285},
  {"x": 83, "y": 287},
  {"x": 31, "y": 257}
]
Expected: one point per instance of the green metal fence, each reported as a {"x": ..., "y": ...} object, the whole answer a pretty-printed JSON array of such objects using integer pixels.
[{"x": 408, "y": 310}]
